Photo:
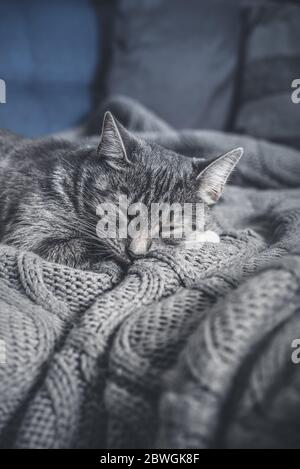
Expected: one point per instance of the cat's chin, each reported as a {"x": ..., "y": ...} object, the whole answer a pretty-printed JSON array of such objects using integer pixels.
[{"x": 124, "y": 262}]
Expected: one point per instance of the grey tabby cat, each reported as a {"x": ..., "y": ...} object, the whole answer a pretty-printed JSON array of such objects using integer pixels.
[{"x": 50, "y": 189}]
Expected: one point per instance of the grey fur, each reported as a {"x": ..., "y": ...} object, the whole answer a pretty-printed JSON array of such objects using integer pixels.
[{"x": 50, "y": 189}]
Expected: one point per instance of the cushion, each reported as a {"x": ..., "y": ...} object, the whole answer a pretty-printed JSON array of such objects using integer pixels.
[
  {"x": 272, "y": 63},
  {"x": 49, "y": 54},
  {"x": 177, "y": 58}
]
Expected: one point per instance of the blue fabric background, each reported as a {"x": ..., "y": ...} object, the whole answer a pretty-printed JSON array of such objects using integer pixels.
[
  {"x": 49, "y": 52},
  {"x": 179, "y": 58}
]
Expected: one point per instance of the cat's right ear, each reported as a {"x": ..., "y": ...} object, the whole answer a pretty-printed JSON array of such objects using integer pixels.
[{"x": 112, "y": 143}]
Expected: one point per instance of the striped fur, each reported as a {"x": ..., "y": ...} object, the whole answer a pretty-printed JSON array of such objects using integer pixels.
[{"x": 50, "y": 189}]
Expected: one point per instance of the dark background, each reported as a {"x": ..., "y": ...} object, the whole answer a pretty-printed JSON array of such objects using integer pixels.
[{"x": 225, "y": 65}]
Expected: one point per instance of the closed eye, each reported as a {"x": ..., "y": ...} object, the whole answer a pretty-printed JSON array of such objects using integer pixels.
[
  {"x": 172, "y": 241},
  {"x": 172, "y": 234}
]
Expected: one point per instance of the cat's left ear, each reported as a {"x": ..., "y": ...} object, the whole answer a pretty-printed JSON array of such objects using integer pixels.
[
  {"x": 114, "y": 138},
  {"x": 213, "y": 178}
]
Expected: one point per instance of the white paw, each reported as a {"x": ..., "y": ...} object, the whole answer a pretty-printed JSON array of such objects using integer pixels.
[{"x": 201, "y": 237}]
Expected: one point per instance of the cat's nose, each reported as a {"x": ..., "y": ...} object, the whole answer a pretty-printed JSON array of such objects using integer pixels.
[{"x": 138, "y": 247}]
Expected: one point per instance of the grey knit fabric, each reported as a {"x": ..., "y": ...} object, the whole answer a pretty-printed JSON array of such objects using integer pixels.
[{"x": 186, "y": 349}]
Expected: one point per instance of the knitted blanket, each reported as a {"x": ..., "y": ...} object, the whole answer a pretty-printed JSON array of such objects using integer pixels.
[{"x": 187, "y": 349}]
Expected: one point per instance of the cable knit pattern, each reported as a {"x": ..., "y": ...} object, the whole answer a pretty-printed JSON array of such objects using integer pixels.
[{"x": 186, "y": 349}]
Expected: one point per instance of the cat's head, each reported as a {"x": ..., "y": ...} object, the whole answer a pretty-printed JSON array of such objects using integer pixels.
[{"x": 145, "y": 174}]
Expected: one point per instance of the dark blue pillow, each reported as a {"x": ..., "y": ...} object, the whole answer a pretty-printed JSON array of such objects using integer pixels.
[
  {"x": 178, "y": 58},
  {"x": 49, "y": 54}
]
